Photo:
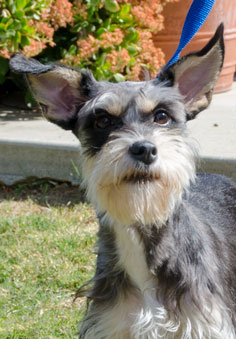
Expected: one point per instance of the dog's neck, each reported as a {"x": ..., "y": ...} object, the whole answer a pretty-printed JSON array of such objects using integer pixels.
[{"x": 131, "y": 251}]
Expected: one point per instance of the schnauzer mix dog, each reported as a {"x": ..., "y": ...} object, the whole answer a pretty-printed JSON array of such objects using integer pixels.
[{"x": 166, "y": 262}]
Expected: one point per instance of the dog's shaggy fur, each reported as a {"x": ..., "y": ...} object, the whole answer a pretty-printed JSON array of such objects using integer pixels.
[{"x": 166, "y": 262}]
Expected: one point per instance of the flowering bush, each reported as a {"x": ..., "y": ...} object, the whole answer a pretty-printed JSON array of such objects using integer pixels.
[
  {"x": 29, "y": 25},
  {"x": 114, "y": 38}
]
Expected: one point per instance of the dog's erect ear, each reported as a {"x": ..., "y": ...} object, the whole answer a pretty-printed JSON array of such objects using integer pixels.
[
  {"x": 61, "y": 91},
  {"x": 196, "y": 74}
]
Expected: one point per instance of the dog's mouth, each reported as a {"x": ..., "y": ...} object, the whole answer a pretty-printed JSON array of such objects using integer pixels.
[{"x": 140, "y": 177}]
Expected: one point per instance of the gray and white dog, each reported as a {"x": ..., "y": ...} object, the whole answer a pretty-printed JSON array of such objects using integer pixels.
[{"x": 166, "y": 262}]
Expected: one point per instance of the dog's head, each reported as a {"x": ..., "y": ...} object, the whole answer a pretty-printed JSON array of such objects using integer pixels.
[{"x": 137, "y": 159}]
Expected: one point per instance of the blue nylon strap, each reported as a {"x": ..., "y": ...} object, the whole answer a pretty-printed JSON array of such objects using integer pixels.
[{"x": 195, "y": 18}]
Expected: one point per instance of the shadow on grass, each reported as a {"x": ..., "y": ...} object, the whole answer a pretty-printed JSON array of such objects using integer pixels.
[{"x": 44, "y": 192}]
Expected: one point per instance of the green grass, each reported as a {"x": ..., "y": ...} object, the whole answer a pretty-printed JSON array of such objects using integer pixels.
[{"x": 46, "y": 253}]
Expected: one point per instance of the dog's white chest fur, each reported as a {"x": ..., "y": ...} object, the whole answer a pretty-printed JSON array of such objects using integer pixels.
[
  {"x": 145, "y": 317},
  {"x": 132, "y": 257}
]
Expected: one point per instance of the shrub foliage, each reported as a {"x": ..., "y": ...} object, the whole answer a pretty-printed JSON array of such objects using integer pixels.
[{"x": 114, "y": 38}]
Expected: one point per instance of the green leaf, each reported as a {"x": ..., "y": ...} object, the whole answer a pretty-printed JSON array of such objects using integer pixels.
[
  {"x": 3, "y": 35},
  {"x": 77, "y": 28},
  {"x": 132, "y": 62},
  {"x": 102, "y": 58},
  {"x": 24, "y": 22},
  {"x": 10, "y": 33},
  {"x": 12, "y": 6},
  {"x": 132, "y": 49},
  {"x": 111, "y": 6},
  {"x": 125, "y": 9},
  {"x": 106, "y": 66},
  {"x": 18, "y": 37},
  {"x": 84, "y": 24},
  {"x": 91, "y": 28},
  {"x": 72, "y": 50},
  {"x": 2, "y": 28},
  {"x": 36, "y": 16},
  {"x": 94, "y": 4},
  {"x": 25, "y": 41},
  {"x": 3, "y": 66},
  {"x": 107, "y": 24},
  {"x": 27, "y": 30},
  {"x": 127, "y": 19},
  {"x": 132, "y": 35},
  {"x": 112, "y": 27},
  {"x": 15, "y": 25},
  {"x": 100, "y": 31},
  {"x": 19, "y": 14},
  {"x": 90, "y": 13},
  {"x": 6, "y": 20},
  {"x": 20, "y": 4},
  {"x": 118, "y": 77},
  {"x": 99, "y": 74}
]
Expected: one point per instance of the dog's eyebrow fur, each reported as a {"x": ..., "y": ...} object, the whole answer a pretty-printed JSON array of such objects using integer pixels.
[
  {"x": 108, "y": 101},
  {"x": 150, "y": 98},
  {"x": 146, "y": 97},
  {"x": 145, "y": 105}
]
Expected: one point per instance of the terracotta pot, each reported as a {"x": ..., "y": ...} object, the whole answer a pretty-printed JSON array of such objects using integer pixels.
[{"x": 222, "y": 11}]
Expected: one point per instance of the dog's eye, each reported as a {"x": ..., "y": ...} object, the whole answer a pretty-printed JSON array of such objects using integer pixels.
[
  {"x": 103, "y": 122},
  {"x": 161, "y": 118}
]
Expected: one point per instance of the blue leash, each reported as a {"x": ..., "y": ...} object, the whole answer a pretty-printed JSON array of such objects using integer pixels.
[{"x": 196, "y": 16}]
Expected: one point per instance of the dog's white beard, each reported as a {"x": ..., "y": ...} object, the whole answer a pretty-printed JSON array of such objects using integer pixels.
[{"x": 147, "y": 201}]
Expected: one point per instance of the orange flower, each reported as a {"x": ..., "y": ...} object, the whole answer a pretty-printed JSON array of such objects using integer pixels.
[
  {"x": 34, "y": 48},
  {"x": 88, "y": 47},
  {"x": 148, "y": 15},
  {"x": 149, "y": 20},
  {"x": 149, "y": 56},
  {"x": 135, "y": 72},
  {"x": 118, "y": 60},
  {"x": 45, "y": 14},
  {"x": 60, "y": 13},
  {"x": 44, "y": 28},
  {"x": 80, "y": 8},
  {"x": 110, "y": 39}
]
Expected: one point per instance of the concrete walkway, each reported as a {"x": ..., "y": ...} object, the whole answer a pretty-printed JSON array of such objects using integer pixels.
[
  {"x": 33, "y": 147},
  {"x": 215, "y": 131}
]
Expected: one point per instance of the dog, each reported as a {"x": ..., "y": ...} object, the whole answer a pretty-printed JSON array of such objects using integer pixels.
[{"x": 166, "y": 262}]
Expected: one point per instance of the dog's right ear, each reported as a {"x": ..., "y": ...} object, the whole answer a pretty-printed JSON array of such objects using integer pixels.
[{"x": 60, "y": 90}]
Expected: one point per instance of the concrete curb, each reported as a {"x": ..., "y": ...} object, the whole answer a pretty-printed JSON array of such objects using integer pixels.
[
  {"x": 19, "y": 161},
  {"x": 37, "y": 148}
]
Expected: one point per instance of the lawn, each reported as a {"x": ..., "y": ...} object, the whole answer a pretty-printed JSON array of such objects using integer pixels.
[{"x": 47, "y": 237}]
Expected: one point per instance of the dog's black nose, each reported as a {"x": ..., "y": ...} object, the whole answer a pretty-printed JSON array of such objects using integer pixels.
[{"x": 144, "y": 151}]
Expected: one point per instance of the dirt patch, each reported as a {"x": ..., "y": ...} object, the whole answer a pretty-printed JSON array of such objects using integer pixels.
[{"x": 44, "y": 192}]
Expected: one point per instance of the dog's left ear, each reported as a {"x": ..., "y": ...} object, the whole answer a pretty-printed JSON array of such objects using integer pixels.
[
  {"x": 196, "y": 74},
  {"x": 60, "y": 90}
]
